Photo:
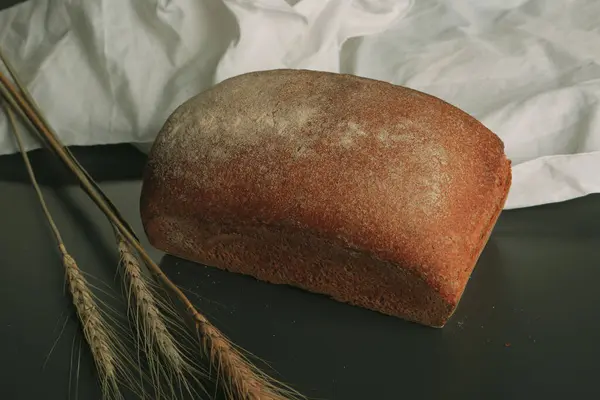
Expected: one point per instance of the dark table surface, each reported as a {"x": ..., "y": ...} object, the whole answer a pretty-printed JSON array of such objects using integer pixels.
[{"x": 528, "y": 325}]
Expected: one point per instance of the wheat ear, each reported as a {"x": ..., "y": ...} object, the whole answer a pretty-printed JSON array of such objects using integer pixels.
[
  {"x": 95, "y": 329},
  {"x": 165, "y": 356},
  {"x": 244, "y": 381}
]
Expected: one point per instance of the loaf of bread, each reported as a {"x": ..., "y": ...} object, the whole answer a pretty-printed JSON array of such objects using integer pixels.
[{"x": 370, "y": 193}]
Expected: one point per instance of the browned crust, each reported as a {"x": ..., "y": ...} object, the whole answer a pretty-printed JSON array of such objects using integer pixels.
[
  {"x": 300, "y": 259},
  {"x": 485, "y": 235},
  {"x": 205, "y": 196},
  {"x": 308, "y": 262}
]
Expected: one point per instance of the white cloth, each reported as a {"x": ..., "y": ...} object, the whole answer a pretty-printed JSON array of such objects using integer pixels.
[{"x": 111, "y": 71}]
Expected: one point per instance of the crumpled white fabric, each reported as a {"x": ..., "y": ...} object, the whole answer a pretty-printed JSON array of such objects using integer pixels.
[{"x": 111, "y": 71}]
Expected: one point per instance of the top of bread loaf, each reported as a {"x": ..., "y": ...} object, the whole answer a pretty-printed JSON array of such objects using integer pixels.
[{"x": 375, "y": 167}]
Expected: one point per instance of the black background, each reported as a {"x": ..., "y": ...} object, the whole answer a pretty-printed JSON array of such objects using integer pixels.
[{"x": 528, "y": 325}]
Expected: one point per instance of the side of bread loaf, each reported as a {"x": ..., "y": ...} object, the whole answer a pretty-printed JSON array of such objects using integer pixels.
[{"x": 370, "y": 193}]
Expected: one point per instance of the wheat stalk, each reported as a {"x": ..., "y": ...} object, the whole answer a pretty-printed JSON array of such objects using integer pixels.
[
  {"x": 95, "y": 329},
  {"x": 243, "y": 381}
]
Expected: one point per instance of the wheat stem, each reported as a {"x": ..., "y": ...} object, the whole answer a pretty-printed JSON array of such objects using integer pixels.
[
  {"x": 49, "y": 138},
  {"x": 31, "y": 173}
]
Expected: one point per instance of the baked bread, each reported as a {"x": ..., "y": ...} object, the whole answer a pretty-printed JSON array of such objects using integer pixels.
[{"x": 373, "y": 194}]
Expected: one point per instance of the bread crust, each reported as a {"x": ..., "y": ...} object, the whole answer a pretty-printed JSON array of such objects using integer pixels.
[{"x": 371, "y": 193}]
